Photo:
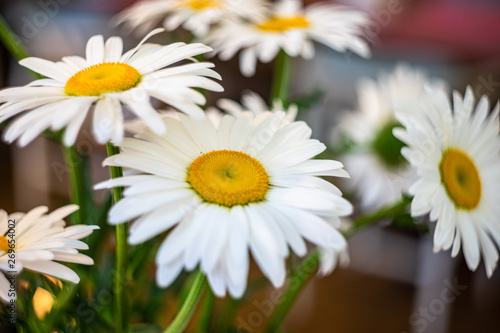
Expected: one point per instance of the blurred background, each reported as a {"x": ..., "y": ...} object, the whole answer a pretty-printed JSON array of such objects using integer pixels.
[{"x": 394, "y": 284}]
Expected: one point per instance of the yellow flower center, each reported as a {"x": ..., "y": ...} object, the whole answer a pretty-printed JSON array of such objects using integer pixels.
[
  {"x": 460, "y": 177},
  {"x": 228, "y": 178},
  {"x": 282, "y": 24},
  {"x": 200, "y": 5},
  {"x": 102, "y": 78},
  {"x": 4, "y": 244}
]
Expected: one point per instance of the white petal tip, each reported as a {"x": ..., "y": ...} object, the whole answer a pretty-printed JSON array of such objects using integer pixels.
[
  {"x": 134, "y": 240},
  {"x": 102, "y": 186},
  {"x": 114, "y": 220}
]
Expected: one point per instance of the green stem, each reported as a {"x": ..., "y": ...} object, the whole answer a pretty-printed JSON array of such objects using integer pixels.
[
  {"x": 226, "y": 316},
  {"x": 186, "y": 312},
  {"x": 13, "y": 44},
  {"x": 387, "y": 211},
  {"x": 121, "y": 250},
  {"x": 207, "y": 313},
  {"x": 297, "y": 281},
  {"x": 300, "y": 275},
  {"x": 281, "y": 77},
  {"x": 75, "y": 165},
  {"x": 11, "y": 41}
]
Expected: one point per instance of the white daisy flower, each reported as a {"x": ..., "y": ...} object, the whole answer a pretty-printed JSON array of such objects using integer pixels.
[
  {"x": 456, "y": 151},
  {"x": 293, "y": 29},
  {"x": 248, "y": 184},
  {"x": 107, "y": 78},
  {"x": 196, "y": 16},
  {"x": 379, "y": 172},
  {"x": 40, "y": 240}
]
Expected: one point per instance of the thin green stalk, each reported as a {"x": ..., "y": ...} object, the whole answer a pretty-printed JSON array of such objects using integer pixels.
[
  {"x": 300, "y": 275},
  {"x": 11, "y": 41},
  {"x": 116, "y": 172},
  {"x": 13, "y": 44},
  {"x": 76, "y": 178},
  {"x": 226, "y": 315},
  {"x": 121, "y": 250},
  {"x": 281, "y": 77},
  {"x": 207, "y": 312},
  {"x": 297, "y": 281},
  {"x": 388, "y": 211},
  {"x": 186, "y": 312}
]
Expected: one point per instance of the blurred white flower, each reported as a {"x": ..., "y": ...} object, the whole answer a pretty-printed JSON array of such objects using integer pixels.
[
  {"x": 196, "y": 16},
  {"x": 38, "y": 241},
  {"x": 456, "y": 152},
  {"x": 291, "y": 28},
  {"x": 379, "y": 172}
]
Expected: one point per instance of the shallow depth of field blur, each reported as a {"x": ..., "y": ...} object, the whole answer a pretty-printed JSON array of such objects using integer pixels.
[{"x": 395, "y": 283}]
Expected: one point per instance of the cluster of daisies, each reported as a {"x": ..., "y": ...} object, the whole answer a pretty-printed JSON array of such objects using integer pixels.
[
  {"x": 240, "y": 181},
  {"x": 409, "y": 137},
  {"x": 257, "y": 29}
]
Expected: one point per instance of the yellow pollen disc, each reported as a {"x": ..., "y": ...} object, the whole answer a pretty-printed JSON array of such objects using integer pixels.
[
  {"x": 200, "y": 5},
  {"x": 460, "y": 177},
  {"x": 102, "y": 78},
  {"x": 282, "y": 24},
  {"x": 228, "y": 178},
  {"x": 4, "y": 244}
]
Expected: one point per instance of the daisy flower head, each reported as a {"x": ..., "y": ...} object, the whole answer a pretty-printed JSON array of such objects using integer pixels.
[
  {"x": 107, "y": 79},
  {"x": 246, "y": 185},
  {"x": 455, "y": 149},
  {"x": 291, "y": 28},
  {"x": 39, "y": 241},
  {"x": 196, "y": 16},
  {"x": 378, "y": 170}
]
